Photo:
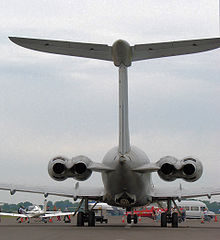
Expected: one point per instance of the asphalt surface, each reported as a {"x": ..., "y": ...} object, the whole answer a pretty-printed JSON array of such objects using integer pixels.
[{"x": 114, "y": 230}]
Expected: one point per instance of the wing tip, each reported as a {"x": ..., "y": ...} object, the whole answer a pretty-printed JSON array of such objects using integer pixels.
[{"x": 13, "y": 39}]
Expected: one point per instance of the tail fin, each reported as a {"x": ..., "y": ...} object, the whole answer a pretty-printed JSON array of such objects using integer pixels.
[{"x": 124, "y": 139}]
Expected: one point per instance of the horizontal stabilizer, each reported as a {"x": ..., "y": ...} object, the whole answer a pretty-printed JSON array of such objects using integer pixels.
[
  {"x": 166, "y": 49},
  {"x": 78, "y": 49},
  {"x": 150, "y": 167},
  {"x": 99, "y": 167},
  {"x": 104, "y": 52}
]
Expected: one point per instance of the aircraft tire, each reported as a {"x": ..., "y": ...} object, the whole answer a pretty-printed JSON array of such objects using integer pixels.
[
  {"x": 135, "y": 219},
  {"x": 175, "y": 220},
  {"x": 80, "y": 219},
  {"x": 163, "y": 219},
  {"x": 129, "y": 218},
  {"x": 91, "y": 219}
]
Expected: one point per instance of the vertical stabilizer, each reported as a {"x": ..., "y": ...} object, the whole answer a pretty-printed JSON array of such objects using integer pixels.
[{"x": 124, "y": 140}]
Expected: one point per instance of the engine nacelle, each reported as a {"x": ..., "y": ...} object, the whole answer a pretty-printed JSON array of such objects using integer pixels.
[
  {"x": 168, "y": 165},
  {"x": 189, "y": 169},
  {"x": 61, "y": 168}
]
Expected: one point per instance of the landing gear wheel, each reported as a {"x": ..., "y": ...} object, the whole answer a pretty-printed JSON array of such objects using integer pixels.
[
  {"x": 175, "y": 220},
  {"x": 91, "y": 219},
  {"x": 129, "y": 218},
  {"x": 80, "y": 219},
  {"x": 163, "y": 219},
  {"x": 135, "y": 218}
]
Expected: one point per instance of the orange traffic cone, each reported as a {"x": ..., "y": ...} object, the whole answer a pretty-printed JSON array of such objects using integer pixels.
[
  {"x": 202, "y": 220},
  {"x": 123, "y": 219},
  {"x": 216, "y": 220}
]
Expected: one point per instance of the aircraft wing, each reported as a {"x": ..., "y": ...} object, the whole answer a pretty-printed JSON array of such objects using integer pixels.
[
  {"x": 13, "y": 214},
  {"x": 78, "y": 49},
  {"x": 166, "y": 49},
  {"x": 76, "y": 192},
  {"x": 56, "y": 214},
  {"x": 181, "y": 192}
]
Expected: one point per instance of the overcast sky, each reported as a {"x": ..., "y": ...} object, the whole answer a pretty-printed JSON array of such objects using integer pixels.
[{"x": 58, "y": 105}]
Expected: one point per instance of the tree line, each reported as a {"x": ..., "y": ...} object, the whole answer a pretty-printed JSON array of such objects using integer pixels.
[
  {"x": 50, "y": 206},
  {"x": 212, "y": 206}
]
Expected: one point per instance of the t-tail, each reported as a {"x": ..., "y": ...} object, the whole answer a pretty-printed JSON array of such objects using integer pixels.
[{"x": 122, "y": 54}]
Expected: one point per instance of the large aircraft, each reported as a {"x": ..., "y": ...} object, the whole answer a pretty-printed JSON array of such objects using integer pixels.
[
  {"x": 126, "y": 170},
  {"x": 35, "y": 211}
]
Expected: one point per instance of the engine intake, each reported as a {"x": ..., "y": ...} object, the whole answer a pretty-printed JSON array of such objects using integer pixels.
[
  {"x": 189, "y": 169},
  {"x": 168, "y": 167},
  {"x": 192, "y": 169},
  {"x": 61, "y": 168}
]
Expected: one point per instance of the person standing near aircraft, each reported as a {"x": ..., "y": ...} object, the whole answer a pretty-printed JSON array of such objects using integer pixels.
[
  {"x": 158, "y": 215},
  {"x": 58, "y": 217},
  {"x": 183, "y": 216},
  {"x": 21, "y": 210},
  {"x": 66, "y": 218},
  {"x": 206, "y": 217}
]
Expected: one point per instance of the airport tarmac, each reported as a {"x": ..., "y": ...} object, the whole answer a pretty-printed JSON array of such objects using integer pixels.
[{"x": 114, "y": 230}]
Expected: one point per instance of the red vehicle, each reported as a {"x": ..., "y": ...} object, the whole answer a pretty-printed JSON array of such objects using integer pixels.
[{"x": 146, "y": 212}]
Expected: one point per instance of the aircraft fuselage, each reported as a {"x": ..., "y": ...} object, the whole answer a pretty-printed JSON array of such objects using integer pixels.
[{"x": 124, "y": 186}]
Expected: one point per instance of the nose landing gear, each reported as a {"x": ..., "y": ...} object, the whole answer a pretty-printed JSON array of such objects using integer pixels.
[{"x": 131, "y": 216}]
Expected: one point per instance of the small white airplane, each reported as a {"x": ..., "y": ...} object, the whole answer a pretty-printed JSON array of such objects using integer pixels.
[
  {"x": 35, "y": 211},
  {"x": 126, "y": 170}
]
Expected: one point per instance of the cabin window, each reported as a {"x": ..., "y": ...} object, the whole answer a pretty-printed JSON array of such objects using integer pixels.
[
  {"x": 186, "y": 208},
  {"x": 194, "y": 208}
]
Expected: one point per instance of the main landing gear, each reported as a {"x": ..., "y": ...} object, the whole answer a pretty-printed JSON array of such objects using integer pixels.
[
  {"x": 87, "y": 216},
  {"x": 168, "y": 217}
]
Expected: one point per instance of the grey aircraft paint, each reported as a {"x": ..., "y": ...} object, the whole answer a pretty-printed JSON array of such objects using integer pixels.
[{"x": 126, "y": 170}]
